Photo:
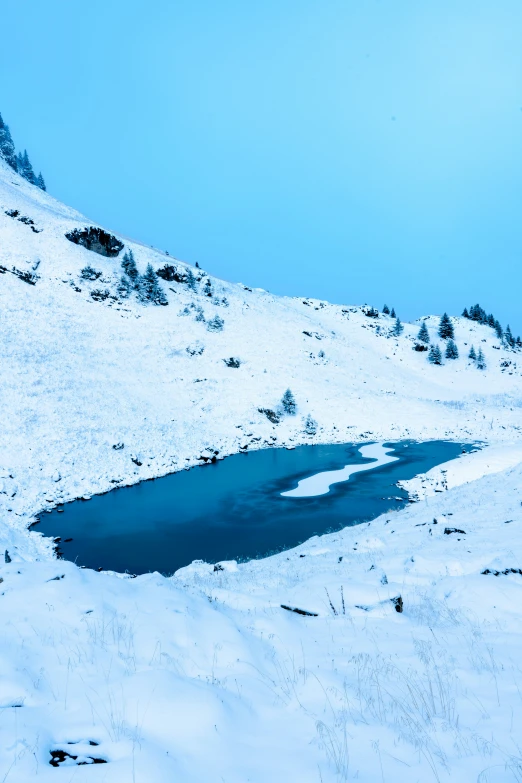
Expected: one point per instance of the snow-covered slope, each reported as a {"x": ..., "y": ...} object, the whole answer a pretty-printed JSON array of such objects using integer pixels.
[
  {"x": 204, "y": 676},
  {"x": 79, "y": 376}
]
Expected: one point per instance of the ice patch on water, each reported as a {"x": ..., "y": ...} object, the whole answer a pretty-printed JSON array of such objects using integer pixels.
[{"x": 320, "y": 483}]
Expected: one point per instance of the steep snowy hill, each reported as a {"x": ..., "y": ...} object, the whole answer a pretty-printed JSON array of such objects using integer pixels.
[
  {"x": 82, "y": 373},
  {"x": 406, "y": 667}
]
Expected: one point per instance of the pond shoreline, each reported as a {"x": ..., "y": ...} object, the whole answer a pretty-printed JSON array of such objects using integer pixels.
[{"x": 234, "y": 510}]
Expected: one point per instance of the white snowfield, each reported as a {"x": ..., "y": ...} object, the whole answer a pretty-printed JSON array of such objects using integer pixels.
[
  {"x": 204, "y": 676},
  {"x": 320, "y": 483}
]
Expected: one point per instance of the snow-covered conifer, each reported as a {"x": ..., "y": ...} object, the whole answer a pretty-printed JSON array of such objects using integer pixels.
[
  {"x": 191, "y": 280},
  {"x": 423, "y": 335},
  {"x": 128, "y": 265},
  {"x": 215, "y": 324},
  {"x": 508, "y": 337},
  {"x": 25, "y": 168},
  {"x": 7, "y": 148},
  {"x": 149, "y": 289},
  {"x": 124, "y": 287},
  {"x": 481, "y": 361},
  {"x": 435, "y": 355},
  {"x": 398, "y": 328},
  {"x": 452, "y": 352},
  {"x": 288, "y": 402},
  {"x": 310, "y": 426},
  {"x": 446, "y": 327},
  {"x": 472, "y": 355}
]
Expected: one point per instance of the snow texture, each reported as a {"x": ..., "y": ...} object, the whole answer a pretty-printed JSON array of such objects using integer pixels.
[{"x": 407, "y": 667}]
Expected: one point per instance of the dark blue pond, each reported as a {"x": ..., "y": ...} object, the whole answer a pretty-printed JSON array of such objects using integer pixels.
[{"x": 233, "y": 509}]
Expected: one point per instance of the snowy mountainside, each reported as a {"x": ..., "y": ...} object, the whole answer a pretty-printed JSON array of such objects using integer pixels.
[
  {"x": 406, "y": 667},
  {"x": 81, "y": 375}
]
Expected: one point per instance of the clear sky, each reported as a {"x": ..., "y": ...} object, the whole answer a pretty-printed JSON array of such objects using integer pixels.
[{"x": 352, "y": 150}]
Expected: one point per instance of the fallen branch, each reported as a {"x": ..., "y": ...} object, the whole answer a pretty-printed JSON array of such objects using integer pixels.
[{"x": 299, "y": 611}]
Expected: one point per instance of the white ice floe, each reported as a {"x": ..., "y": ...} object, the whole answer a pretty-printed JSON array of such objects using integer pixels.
[{"x": 320, "y": 483}]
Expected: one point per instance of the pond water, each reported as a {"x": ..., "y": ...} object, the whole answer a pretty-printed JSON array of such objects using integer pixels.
[{"x": 246, "y": 506}]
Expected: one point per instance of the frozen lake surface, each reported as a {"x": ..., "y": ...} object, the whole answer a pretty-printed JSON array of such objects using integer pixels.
[{"x": 245, "y": 506}]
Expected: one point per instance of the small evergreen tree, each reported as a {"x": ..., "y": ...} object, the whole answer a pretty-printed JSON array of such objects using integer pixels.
[
  {"x": 25, "y": 168},
  {"x": 499, "y": 330},
  {"x": 7, "y": 148},
  {"x": 472, "y": 355},
  {"x": 423, "y": 335},
  {"x": 446, "y": 327},
  {"x": 89, "y": 273},
  {"x": 288, "y": 402},
  {"x": 310, "y": 426},
  {"x": 392, "y": 314},
  {"x": 128, "y": 265},
  {"x": 435, "y": 355},
  {"x": 508, "y": 337},
  {"x": 398, "y": 328},
  {"x": 149, "y": 289},
  {"x": 207, "y": 288},
  {"x": 452, "y": 352},
  {"x": 386, "y": 310},
  {"x": 465, "y": 313},
  {"x": 124, "y": 287},
  {"x": 191, "y": 280},
  {"x": 215, "y": 324},
  {"x": 481, "y": 361},
  {"x": 40, "y": 182}
]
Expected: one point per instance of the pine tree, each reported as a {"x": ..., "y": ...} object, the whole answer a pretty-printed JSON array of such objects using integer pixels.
[
  {"x": 128, "y": 265},
  {"x": 310, "y": 426},
  {"x": 40, "y": 182},
  {"x": 465, "y": 313},
  {"x": 386, "y": 310},
  {"x": 392, "y": 314},
  {"x": 435, "y": 355},
  {"x": 149, "y": 288},
  {"x": 446, "y": 327},
  {"x": 207, "y": 288},
  {"x": 288, "y": 402},
  {"x": 423, "y": 335},
  {"x": 398, "y": 328},
  {"x": 124, "y": 287},
  {"x": 472, "y": 355},
  {"x": 499, "y": 330},
  {"x": 481, "y": 361},
  {"x": 7, "y": 148},
  {"x": 191, "y": 280},
  {"x": 452, "y": 352},
  {"x": 508, "y": 337},
  {"x": 215, "y": 324},
  {"x": 25, "y": 169}
]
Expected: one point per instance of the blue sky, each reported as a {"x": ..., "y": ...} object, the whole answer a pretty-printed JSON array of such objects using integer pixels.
[{"x": 354, "y": 150}]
